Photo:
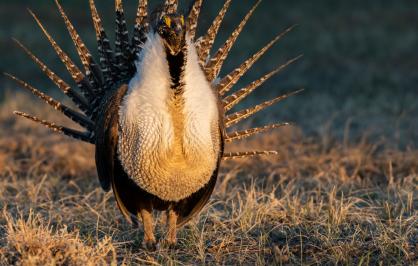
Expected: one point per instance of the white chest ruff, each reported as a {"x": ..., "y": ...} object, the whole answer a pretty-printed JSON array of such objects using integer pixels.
[{"x": 169, "y": 152}]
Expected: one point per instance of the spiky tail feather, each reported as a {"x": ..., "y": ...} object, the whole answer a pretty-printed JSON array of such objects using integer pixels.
[
  {"x": 246, "y": 154},
  {"x": 235, "y": 98},
  {"x": 77, "y": 117},
  {"x": 238, "y": 135},
  {"x": 103, "y": 46},
  {"x": 90, "y": 84},
  {"x": 193, "y": 18},
  {"x": 75, "y": 96},
  {"x": 204, "y": 44},
  {"x": 170, "y": 6},
  {"x": 231, "y": 79},
  {"x": 82, "y": 83},
  {"x": 84, "y": 136},
  {"x": 122, "y": 46},
  {"x": 237, "y": 117},
  {"x": 91, "y": 68},
  {"x": 141, "y": 26},
  {"x": 213, "y": 67}
]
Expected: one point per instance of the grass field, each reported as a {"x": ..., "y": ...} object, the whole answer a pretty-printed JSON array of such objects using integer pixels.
[
  {"x": 343, "y": 189},
  {"x": 319, "y": 201}
]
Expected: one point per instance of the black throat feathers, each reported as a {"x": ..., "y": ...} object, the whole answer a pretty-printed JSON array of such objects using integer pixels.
[{"x": 177, "y": 64}]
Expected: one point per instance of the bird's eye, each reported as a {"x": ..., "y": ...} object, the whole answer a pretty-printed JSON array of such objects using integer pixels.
[
  {"x": 182, "y": 20},
  {"x": 167, "y": 21}
]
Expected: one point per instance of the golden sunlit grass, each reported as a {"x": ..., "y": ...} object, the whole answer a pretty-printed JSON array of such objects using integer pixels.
[{"x": 320, "y": 201}]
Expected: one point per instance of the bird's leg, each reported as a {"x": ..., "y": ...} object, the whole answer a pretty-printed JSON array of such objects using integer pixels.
[
  {"x": 163, "y": 218},
  {"x": 149, "y": 238},
  {"x": 171, "y": 238}
]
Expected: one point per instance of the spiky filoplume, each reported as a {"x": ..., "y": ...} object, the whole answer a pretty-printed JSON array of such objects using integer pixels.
[
  {"x": 204, "y": 43},
  {"x": 170, "y": 6},
  {"x": 104, "y": 99},
  {"x": 214, "y": 65},
  {"x": 107, "y": 62},
  {"x": 141, "y": 26}
]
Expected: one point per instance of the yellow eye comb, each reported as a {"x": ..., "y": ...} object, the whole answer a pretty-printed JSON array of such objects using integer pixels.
[{"x": 167, "y": 21}]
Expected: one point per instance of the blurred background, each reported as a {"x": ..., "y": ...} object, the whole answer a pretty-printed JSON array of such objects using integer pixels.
[{"x": 359, "y": 66}]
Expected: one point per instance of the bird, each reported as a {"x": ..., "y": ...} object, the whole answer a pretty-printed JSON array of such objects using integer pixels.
[{"x": 156, "y": 107}]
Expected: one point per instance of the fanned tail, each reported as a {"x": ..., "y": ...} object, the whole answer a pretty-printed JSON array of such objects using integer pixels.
[
  {"x": 193, "y": 18},
  {"x": 204, "y": 44},
  {"x": 84, "y": 136},
  {"x": 81, "y": 81},
  {"x": 91, "y": 68},
  {"x": 231, "y": 79},
  {"x": 122, "y": 46},
  {"x": 230, "y": 101},
  {"x": 246, "y": 154},
  {"x": 213, "y": 67},
  {"x": 103, "y": 46},
  {"x": 239, "y": 135},
  {"x": 141, "y": 27},
  {"x": 77, "y": 117},
  {"x": 237, "y": 117},
  {"x": 170, "y": 6},
  {"x": 61, "y": 84},
  {"x": 114, "y": 66},
  {"x": 118, "y": 65}
]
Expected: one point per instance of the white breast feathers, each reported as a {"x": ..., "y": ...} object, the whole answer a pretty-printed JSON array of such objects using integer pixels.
[{"x": 168, "y": 144}]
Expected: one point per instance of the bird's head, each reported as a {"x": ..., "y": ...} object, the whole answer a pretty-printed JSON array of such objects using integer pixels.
[{"x": 172, "y": 29}]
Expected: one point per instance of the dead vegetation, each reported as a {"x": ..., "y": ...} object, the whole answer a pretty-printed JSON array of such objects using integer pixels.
[{"x": 319, "y": 202}]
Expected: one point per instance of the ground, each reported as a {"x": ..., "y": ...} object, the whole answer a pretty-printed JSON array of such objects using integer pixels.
[{"x": 319, "y": 201}]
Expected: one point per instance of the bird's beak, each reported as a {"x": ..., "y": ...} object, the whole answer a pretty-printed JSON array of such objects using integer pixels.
[{"x": 175, "y": 41}]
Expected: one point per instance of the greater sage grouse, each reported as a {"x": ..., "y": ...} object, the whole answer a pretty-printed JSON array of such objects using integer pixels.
[{"x": 155, "y": 108}]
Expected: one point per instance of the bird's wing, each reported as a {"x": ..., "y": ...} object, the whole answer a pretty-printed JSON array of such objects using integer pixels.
[
  {"x": 107, "y": 136},
  {"x": 128, "y": 195}
]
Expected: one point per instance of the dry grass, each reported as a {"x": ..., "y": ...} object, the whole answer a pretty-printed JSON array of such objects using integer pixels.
[{"x": 321, "y": 202}]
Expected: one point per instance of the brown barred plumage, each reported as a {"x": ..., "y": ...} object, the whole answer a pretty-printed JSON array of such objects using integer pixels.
[
  {"x": 204, "y": 44},
  {"x": 122, "y": 46},
  {"x": 231, "y": 79},
  {"x": 193, "y": 18},
  {"x": 141, "y": 26},
  {"x": 107, "y": 62},
  {"x": 74, "y": 71},
  {"x": 230, "y": 101},
  {"x": 170, "y": 6},
  {"x": 237, "y": 117},
  {"x": 90, "y": 66},
  {"x": 246, "y": 154},
  {"x": 77, "y": 117},
  {"x": 239, "y": 135},
  {"x": 84, "y": 136},
  {"x": 61, "y": 84},
  {"x": 213, "y": 67}
]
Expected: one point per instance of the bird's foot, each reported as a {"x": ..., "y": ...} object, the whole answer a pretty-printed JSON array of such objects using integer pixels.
[
  {"x": 169, "y": 242},
  {"x": 149, "y": 244}
]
